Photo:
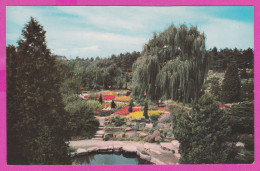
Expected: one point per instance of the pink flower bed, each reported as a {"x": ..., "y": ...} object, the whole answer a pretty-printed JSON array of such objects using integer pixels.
[
  {"x": 106, "y": 97},
  {"x": 223, "y": 107},
  {"x": 125, "y": 111},
  {"x": 161, "y": 108}
]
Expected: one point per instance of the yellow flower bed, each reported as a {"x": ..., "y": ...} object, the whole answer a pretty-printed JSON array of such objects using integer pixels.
[
  {"x": 122, "y": 98},
  {"x": 136, "y": 115},
  {"x": 105, "y": 105},
  {"x": 110, "y": 93}
]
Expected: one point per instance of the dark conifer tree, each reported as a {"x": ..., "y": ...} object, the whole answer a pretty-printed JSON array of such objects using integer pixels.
[
  {"x": 38, "y": 122},
  {"x": 146, "y": 110},
  {"x": 131, "y": 104},
  {"x": 100, "y": 98},
  {"x": 113, "y": 104},
  {"x": 231, "y": 84}
]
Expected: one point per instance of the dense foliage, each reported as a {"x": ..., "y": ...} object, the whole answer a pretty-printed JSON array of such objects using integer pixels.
[
  {"x": 204, "y": 134},
  {"x": 231, "y": 85},
  {"x": 220, "y": 58},
  {"x": 81, "y": 117},
  {"x": 174, "y": 59},
  {"x": 36, "y": 119},
  {"x": 242, "y": 117}
]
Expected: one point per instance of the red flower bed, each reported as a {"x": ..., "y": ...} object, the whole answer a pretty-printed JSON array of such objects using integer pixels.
[
  {"x": 223, "y": 107},
  {"x": 125, "y": 111},
  {"x": 161, "y": 108},
  {"x": 106, "y": 97},
  {"x": 86, "y": 96}
]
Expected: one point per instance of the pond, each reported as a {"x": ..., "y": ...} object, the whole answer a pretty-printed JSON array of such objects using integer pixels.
[{"x": 109, "y": 159}]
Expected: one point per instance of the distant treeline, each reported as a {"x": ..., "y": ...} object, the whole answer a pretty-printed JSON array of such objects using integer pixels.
[
  {"x": 220, "y": 58},
  {"x": 101, "y": 73}
]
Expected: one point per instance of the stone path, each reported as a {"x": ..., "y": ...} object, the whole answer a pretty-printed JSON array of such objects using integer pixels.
[{"x": 100, "y": 133}]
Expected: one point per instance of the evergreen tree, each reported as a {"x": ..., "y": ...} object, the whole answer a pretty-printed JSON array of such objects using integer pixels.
[
  {"x": 100, "y": 98},
  {"x": 231, "y": 84},
  {"x": 146, "y": 110},
  {"x": 37, "y": 125},
  {"x": 131, "y": 104},
  {"x": 113, "y": 104},
  {"x": 204, "y": 134}
]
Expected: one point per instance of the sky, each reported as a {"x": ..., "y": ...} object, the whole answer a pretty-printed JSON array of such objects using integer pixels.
[{"x": 91, "y": 31}]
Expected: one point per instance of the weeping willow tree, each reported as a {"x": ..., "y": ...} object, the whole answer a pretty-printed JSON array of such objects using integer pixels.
[{"x": 173, "y": 61}]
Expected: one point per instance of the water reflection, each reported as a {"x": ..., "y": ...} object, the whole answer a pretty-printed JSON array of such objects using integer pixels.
[{"x": 108, "y": 159}]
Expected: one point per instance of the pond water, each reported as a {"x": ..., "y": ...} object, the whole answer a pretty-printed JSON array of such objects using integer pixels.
[{"x": 108, "y": 159}]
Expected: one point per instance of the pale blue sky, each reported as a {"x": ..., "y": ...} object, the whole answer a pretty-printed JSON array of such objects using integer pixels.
[{"x": 101, "y": 31}]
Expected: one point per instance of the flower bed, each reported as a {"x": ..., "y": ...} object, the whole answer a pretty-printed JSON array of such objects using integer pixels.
[
  {"x": 125, "y": 111},
  {"x": 86, "y": 96},
  {"x": 106, "y": 97},
  {"x": 104, "y": 112},
  {"x": 223, "y": 107},
  {"x": 110, "y": 93},
  {"x": 122, "y": 98},
  {"x": 136, "y": 115},
  {"x": 161, "y": 108}
]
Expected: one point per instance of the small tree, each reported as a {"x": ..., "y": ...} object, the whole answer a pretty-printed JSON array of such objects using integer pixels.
[
  {"x": 231, "y": 84},
  {"x": 204, "y": 134},
  {"x": 113, "y": 104},
  {"x": 131, "y": 104},
  {"x": 146, "y": 110},
  {"x": 100, "y": 98}
]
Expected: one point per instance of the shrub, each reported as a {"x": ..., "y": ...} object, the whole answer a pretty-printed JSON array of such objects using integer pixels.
[
  {"x": 100, "y": 98},
  {"x": 131, "y": 104},
  {"x": 145, "y": 114},
  {"x": 94, "y": 104},
  {"x": 113, "y": 105},
  {"x": 231, "y": 85},
  {"x": 242, "y": 117},
  {"x": 104, "y": 112},
  {"x": 154, "y": 117},
  {"x": 118, "y": 120}
]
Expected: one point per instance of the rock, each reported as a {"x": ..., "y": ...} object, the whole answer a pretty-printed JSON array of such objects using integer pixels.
[
  {"x": 149, "y": 138},
  {"x": 92, "y": 149},
  {"x": 156, "y": 133},
  {"x": 142, "y": 134},
  {"x": 145, "y": 157},
  {"x": 150, "y": 126},
  {"x": 157, "y": 139},
  {"x": 175, "y": 143},
  {"x": 130, "y": 149},
  {"x": 146, "y": 147},
  {"x": 177, "y": 155},
  {"x": 142, "y": 125},
  {"x": 240, "y": 144},
  {"x": 72, "y": 154},
  {"x": 100, "y": 132},
  {"x": 155, "y": 151},
  {"x": 141, "y": 118},
  {"x": 108, "y": 135},
  {"x": 157, "y": 161},
  {"x": 128, "y": 129},
  {"x": 167, "y": 146},
  {"x": 81, "y": 151},
  {"x": 103, "y": 149},
  {"x": 120, "y": 135}
]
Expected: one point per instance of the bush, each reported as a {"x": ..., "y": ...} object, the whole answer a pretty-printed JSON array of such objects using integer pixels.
[
  {"x": 104, "y": 112},
  {"x": 113, "y": 105},
  {"x": 131, "y": 104},
  {"x": 93, "y": 104},
  {"x": 242, "y": 117},
  {"x": 154, "y": 118},
  {"x": 231, "y": 85},
  {"x": 118, "y": 120}
]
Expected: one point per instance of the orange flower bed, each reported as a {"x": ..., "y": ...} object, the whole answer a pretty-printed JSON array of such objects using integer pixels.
[
  {"x": 123, "y": 98},
  {"x": 110, "y": 93}
]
